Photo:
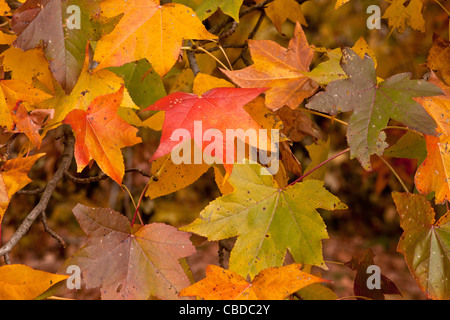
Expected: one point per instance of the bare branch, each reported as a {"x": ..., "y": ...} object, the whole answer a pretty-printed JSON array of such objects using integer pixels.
[
  {"x": 50, "y": 231},
  {"x": 66, "y": 160},
  {"x": 193, "y": 61},
  {"x": 30, "y": 192},
  {"x": 102, "y": 176}
]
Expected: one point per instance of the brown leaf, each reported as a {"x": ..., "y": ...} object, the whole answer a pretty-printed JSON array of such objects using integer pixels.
[{"x": 130, "y": 262}]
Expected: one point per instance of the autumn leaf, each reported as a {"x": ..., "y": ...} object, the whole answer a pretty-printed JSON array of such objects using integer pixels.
[
  {"x": 279, "y": 11},
  {"x": 439, "y": 56},
  {"x": 411, "y": 145},
  {"x": 331, "y": 70},
  {"x": 206, "y": 8},
  {"x": 101, "y": 133},
  {"x": 13, "y": 177},
  {"x": 373, "y": 104},
  {"x": 28, "y": 66},
  {"x": 13, "y": 92},
  {"x": 19, "y": 282},
  {"x": 361, "y": 266},
  {"x": 144, "y": 85},
  {"x": 44, "y": 22},
  {"x": 170, "y": 177},
  {"x": 4, "y": 8},
  {"x": 340, "y": 3},
  {"x": 30, "y": 122},
  {"x": 268, "y": 220},
  {"x": 160, "y": 29},
  {"x": 425, "y": 244},
  {"x": 90, "y": 85},
  {"x": 318, "y": 152},
  {"x": 219, "y": 109},
  {"x": 433, "y": 173},
  {"x": 275, "y": 283},
  {"x": 130, "y": 262},
  {"x": 401, "y": 14},
  {"x": 283, "y": 70}
]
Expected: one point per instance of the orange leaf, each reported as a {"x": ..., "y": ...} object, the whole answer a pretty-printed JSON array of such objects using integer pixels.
[
  {"x": 19, "y": 282},
  {"x": 101, "y": 133},
  {"x": 274, "y": 283},
  {"x": 280, "y": 69},
  {"x": 31, "y": 122},
  {"x": 13, "y": 177},
  {"x": 439, "y": 56},
  {"x": 434, "y": 173}
]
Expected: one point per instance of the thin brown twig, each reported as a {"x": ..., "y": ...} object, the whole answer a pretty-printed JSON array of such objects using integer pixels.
[
  {"x": 192, "y": 61},
  {"x": 101, "y": 176},
  {"x": 319, "y": 165},
  {"x": 50, "y": 231},
  {"x": 66, "y": 160},
  {"x": 33, "y": 191}
]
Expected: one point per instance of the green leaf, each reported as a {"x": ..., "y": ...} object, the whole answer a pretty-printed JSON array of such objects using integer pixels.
[
  {"x": 425, "y": 244},
  {"x": 142, "y": 82},
  {"x": 268, "y": 220},
  {"x": 206, "y": 8},
  {"x": 318, "y": 152},
  {"x": 411, "y": 145},
  {"x": 374, "y": 104},
  {"x": 328, "y": 71}
]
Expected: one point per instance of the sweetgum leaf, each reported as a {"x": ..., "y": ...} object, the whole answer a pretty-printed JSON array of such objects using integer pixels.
[
  {"x": 20, "y": 282},
  {"x": 270, "y": 284},
  {"x": 425, "y": 244},
  {"x": 44, "y": 22},
  {"x": 130, "y": 262},
  {"x": 374, "y": 104},
  {"x": 387, "y": 286},
  {"x": 268, "y": 220}
]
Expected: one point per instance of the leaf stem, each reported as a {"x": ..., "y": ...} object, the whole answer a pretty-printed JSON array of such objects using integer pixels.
[
  {"x": 136, "y": 212},
  {"x": 324, "y": 116},
  {"x": 129, "y": 194},
  {"x": 319, "y": 165},
  {"x": 212, "y": 56},
  {"x": 395, "y": 173}
]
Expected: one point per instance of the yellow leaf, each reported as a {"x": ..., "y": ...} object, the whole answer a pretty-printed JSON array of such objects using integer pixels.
[
  {"x": 4, "y": 8},
  {"x": 171, "y": 177},
  {"x": 19, "y": 282},
  {"x": 399, "y": 15},
  {"x": 155, "y": 122},
  {"x": 204, "y": 82},
  {"x": 340, "y": 3},
  {"x": 11, "y": 91},
  {"x": 160, "y": 30},
  {"x": 279, "y": 11},
  {"x": 13, "y": 177},
  {"x": 361, "y": 48},
  {"x": 274, "y": 283},
  {"x": 439, "y": 57},
  {"x": 90, "y": 85},
  {"x": 7, "y": 38},
  {"x": 25, "y": 65}
]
